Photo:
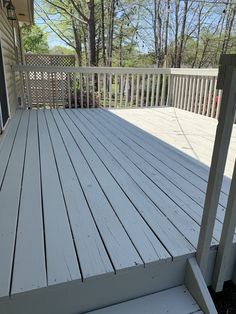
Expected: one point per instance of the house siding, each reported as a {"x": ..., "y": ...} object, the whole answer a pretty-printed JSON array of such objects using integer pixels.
[{"x": 11, "y": 55}]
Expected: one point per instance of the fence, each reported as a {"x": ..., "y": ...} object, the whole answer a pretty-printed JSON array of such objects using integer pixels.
[{"x": 189, "y": 89}]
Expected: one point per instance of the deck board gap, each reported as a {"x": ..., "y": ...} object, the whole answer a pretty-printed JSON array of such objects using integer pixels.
[{"x": 42, "y": 202}]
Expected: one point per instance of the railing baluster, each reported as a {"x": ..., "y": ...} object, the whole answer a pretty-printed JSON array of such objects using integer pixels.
[
  {"x": 137, "y": 90},
  {"x": 104, "y": 90},
  {"x": 110, "y": 90},
  {"x": 87, "y": 90},
  {"x": 182, "y": 93},
  {"x": 190, "y": 93},
  {"x": 148, "y": 90},
  {"x": 163, "y": 90},
  {"x": 213, "y": 109},
  {"x": 56, "y": 91},
  {"x": 193, "y": 94},
  {"x": 158, "y": 90},
  {"x": 186, "y": 92},
  {"x": 93, "y": 90},
  {"x": 75, "y": 90},
  {"x": 116, "y": 85},
  {"x": 179, "y": 90},
  {"x": 63, "y": 89},
  {"x": 81, "y": 90},
  {"x": 200, "y": 97},
  {"x": 153, "y": 89},
  {"x": 205, "y": 97},
  {"x": 143, "y": 87},
  {"x": 132, "y": 91},
  {"x": 69, "y": 90},
  {"x": 197, "y": 94},
  {"x": 121, "y": 89},
  {"x": 99, "y": 90},
  {"x": 209, "y": 103},
  {"x": 127, "y": 91},
  {"x": 175, "y": 91}
]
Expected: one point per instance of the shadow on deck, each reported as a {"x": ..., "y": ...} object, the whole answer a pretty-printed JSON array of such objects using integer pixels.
[{"x": 95, "y": 211}]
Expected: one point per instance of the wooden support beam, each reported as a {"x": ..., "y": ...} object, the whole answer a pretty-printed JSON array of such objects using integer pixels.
[
  {"x": 225, "y": 246},
  {"x": 227, "y": 81},
  {"x": 196, "y": 285}
]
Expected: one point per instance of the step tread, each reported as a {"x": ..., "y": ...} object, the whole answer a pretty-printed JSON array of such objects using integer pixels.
[{"x": 176, "y": 300}]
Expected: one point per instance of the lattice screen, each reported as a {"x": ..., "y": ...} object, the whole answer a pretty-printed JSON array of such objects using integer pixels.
[
  {"x": 50, "y": 60},
  {"x": 47, "y": 88}
]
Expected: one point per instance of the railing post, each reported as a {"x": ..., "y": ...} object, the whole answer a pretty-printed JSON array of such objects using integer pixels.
[
  {"x": 226, "y": 240},
  {"x": 227, "y": 81}
]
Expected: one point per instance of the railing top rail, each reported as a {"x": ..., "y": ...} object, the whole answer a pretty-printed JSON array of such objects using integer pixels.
[
  {"x": 114, "y": 70},
  {"x": 195, "y": 72},
  {"x": 97, "y": 70}
]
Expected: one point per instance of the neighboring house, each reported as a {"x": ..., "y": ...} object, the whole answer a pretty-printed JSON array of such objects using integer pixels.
[{"x": 11, "y": 51}]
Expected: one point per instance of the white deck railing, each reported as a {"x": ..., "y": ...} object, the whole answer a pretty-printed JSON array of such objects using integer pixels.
[{"x": 189, "y": 89}]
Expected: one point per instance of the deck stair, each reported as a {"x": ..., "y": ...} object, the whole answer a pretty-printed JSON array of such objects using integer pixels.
[{"x": 176, "y": 300}]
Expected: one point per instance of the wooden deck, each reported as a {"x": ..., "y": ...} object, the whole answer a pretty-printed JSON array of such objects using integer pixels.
[{"x": 95, "y": 210}]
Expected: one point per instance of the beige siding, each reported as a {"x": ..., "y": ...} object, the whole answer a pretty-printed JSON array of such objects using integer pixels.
[{"x": 11, "y": 55}]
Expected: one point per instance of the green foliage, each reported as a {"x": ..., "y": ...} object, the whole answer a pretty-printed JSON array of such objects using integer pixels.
[
  {"x": 34, "y": 39},
  {"x": 61, "y": 50}
]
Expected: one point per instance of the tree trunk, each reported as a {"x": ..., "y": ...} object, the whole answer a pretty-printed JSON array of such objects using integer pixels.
[
  {"x": 110, "y": 33},
  {"x": 166, "y": 31},
  {"x": 120, "y": 47},
  {"x": 198, "y": 37},
  {"x": 176, "y": 31},
  {"x": 103, "y": 33},
  {"x": 91, "y": 33},
  {"x": 157, "y": 31},
  {"x": 182, "y": 35}
]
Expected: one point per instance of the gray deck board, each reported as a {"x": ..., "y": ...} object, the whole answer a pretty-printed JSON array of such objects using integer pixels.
[
  {"x": 6, "y": 146},
  {"x": 93, "y": 257},
  {"x": 177, "y": 300},
  {"x": 168, "y": 234},
  {"x": 111, "y": 230},
  {"x": 185, "y": 224},
  {"x": 176, "y": 193},
  {"x": 29, "y": 270},
  {"x": 86, "y": 197},
  {"x": 9, "y": 202},
  {"x": 146, "y": 243},
  {"x": 61, "y": 257},
  {"x": 156, "y": 144}
]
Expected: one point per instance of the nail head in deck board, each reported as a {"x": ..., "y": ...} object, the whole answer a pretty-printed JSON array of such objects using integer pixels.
[
  {"x": 29, "y": 269},
  {"x": 112, "y": 232},
  {"x": 62, "y": 264},
  {"x": 146, "y": 243},
  {"x": 175, "y": 243},
  {"x": 181, "y": 220},
  {"x": 92, "y": 254},
  {"x": 176, "y": 300},
  {"x": 9, "y": 200}
]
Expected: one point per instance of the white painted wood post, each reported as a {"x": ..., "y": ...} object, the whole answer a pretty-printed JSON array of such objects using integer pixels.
[
  {"x": 227, "y": 81},
  {"x": 226, "y": 240}
]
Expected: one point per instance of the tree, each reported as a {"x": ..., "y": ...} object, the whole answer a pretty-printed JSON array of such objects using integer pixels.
[
  {"x": 109, "y": 32},
  {"x": 34, "y": 39}
]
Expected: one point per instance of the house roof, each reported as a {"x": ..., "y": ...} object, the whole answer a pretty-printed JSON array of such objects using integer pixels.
[{"x": 24, "y": 10}]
